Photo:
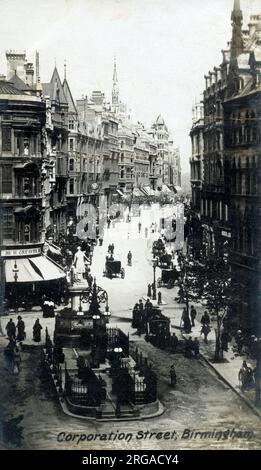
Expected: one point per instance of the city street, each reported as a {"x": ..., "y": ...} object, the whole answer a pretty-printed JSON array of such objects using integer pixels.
[{"x": 33, "y": 417}]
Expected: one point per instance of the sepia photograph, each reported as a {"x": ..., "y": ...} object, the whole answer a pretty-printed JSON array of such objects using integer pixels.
[{"x": 130, "y": 228}]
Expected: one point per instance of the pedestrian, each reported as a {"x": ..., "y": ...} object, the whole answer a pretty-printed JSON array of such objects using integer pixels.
[
  {"x": 149, "y": 290},
  {"x": 112, "y": 248},
  {"x": 10, "y": 329},
  {"x": 193, "y": 314},
  {"x": 136, "y": 316},
  {"x": 196, "y": 347},
  {"x": 108, "y": 222},
  {"x": 153, "y": 290},
  {"x": 205, "y": 330},
  {"x": 174, "y": 342},
  {"x": 173, "y": 376},
  {"x": 141, "y": 306},
  {"x": 186, "y": 321},
  {"x": 146, "y": 232},
  {"x": 159, "y": 298},
  {"x": 245, "y": 376},
  {"x": 37, "y": 331},
  {"x": 16, "y": 361},
  {"x": 129, "y": 258},
  {"x": 205, "y": 319},
  {"x": 139, "y": 226},
  {"x": 20, "y": 329},
  {"x": 239, "y": 341},
  {"x": 100, "y": 241}
]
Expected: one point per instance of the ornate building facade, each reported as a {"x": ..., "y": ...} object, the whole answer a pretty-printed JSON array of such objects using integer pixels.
[
  {"x": 225, "y": 163},
  {"x": 25, "y": 270}
]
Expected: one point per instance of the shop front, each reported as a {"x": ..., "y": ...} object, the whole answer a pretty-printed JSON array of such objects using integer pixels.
[{"x": 28, "y": 275}]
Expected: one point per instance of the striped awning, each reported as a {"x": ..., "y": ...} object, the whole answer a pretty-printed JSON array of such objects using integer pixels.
[{"x": 34, "y": 269}]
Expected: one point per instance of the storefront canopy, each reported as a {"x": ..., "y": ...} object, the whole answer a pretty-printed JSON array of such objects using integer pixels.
[
  {"x": 148, "y": 191},
  {"x": 35, "y": 269},
  {"x": 137, "y": 192}
]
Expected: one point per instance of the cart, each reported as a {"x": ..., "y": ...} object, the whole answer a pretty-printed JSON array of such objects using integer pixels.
[
  {"x": 158, "y": 248},
  {"x": 168, "y": 278},
  {"x": 165, "y": 261},
  {"x": 113, "y": 269}
]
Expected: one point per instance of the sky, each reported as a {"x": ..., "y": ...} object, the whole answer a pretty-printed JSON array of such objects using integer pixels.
[{"x": 163, "y": 48}]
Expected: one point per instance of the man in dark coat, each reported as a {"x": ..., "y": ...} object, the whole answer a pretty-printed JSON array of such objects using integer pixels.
[
  {"x": 205, "y": 319},
  {"x": 173, "y": 376},
  {"x": 10, "y": 329},
  {"x": 193, "y": 314},
  {"x": 37, "y": 331},
  {"x": 20, "y": 329}
]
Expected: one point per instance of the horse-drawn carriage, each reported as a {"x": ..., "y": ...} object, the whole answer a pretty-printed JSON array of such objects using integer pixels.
[
  {"x": 158, "y": 330},
  {"x": 165, "y": 261},
  {"x": 158, "y": 248},
  {"x": 113, "y": 268},
  {"x": 168, "y": 278}
]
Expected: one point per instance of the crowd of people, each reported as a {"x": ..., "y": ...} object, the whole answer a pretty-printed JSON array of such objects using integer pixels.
[{"x": 16, "y": 334}]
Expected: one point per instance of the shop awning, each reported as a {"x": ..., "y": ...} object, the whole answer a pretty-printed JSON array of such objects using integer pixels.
[
  {"x": 148, "y": 191},
  {"x": 137, "y": 192},
  {"x": 35, "y": 269},
  {"x": 54, "y": 249},
  {"x": 165, "y": 189}
]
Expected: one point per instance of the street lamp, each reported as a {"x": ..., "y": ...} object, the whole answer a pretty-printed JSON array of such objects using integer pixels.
[
  {"x": 15, "y": 271},
  {"x": 154, "y": 265}
]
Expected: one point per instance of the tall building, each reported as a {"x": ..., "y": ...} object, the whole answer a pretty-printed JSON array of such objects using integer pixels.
[
  {"x": 197, "y": 158},
  {"x": 56, "y": 166},
  {"x": 25, "y": 271},
  {"x": 242, "y": 147},
  {"x": 225, "y": 170}
]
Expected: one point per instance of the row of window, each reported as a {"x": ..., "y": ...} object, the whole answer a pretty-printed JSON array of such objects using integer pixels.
[
  {"x": 244, "y": 184},
  {"x": 214, "y": 209},
  {"x": 24, "y": 143},
  {"x": 19, "y": 229},
  {"x": 245, "y": 241}
]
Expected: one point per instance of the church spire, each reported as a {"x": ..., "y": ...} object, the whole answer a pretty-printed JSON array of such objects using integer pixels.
[
  {"x": 115, "y": 88},
  {"x": 236, "y": 48},
  {"x": 237, "y": 44}
]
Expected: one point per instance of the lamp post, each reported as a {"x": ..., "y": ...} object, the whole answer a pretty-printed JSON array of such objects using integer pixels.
[
  {"x": 15, "y": 271},
  {"x": 107, "y": 313},
  {"x": 96, "y": 319},
  {"x": 154, "y": 293}
]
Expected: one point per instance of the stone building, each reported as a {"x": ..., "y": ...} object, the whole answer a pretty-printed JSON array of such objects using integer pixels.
[
  {"x": 57, "y": 155},
  {"x": 26, "y": 272},
  {"x": 225, "y": 163},
  {"x": 242, "y": 147},
  {"x": 126, "y": 135},
  {"x": 197, "y": 158}
]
